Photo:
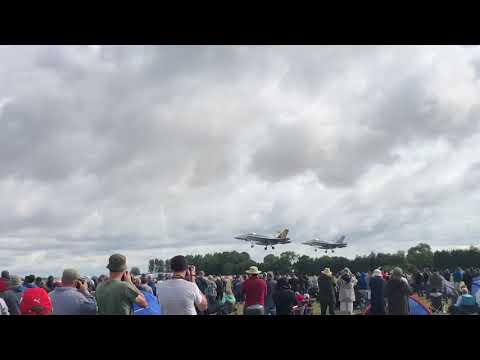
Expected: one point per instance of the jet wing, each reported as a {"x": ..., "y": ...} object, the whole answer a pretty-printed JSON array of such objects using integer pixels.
[{"x": 242, "y": 237}]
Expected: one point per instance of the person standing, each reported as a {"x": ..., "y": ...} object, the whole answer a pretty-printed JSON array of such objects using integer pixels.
[
  {"x": 13, "y": 295},
  {"x": 237, "y": 289},
  {"x": 29, "y": 282},
  {"x": 457, "y": 278},
  {"x": 326, "y": 291},
  {"x": 269, "y": 302},
  {"x": 255, "y": 290},
  {"x": 397, "y": 292},
  {"x": 73, "y": 297},
  {"x": 346, "y": 291},
  {"x": 211, "y": 291},
  {"x": 151, "y": 283},
  {"x": 227, "y": 303},
  {"x": 468, "y": 279},
  {"x": 50, "y": 283},
  {"x": 220, "y": 288},
  {"x": 41, "y": 284},
  {"x": 35, "y": 301},
  {"x": 201, "y": 282},
  {"x": 363, "y": 290},
  {"x": 4, "y": 281},
  {"x": 179, "y": 295},
  {"x": 447, "y": 275},
  {"x": 418, "y": 282},
  {"x": 3, "y": 307},
  {"x": 436, "y": 281},
  {"x": 117, "y": 295},
  {"x": 284, "y": 297},
  {"x": 377, "y": 288},
  {"x": 144, "y": 284}
]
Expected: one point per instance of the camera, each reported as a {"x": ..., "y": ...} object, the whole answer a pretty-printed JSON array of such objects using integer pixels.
[{"x": 81, "y": 280}]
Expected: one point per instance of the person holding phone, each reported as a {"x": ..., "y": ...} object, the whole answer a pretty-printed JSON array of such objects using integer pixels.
[
  {"x": 117, "y": 295},
  {"x": 73, "y": 297},
  {"x": 178, "y": 296}
]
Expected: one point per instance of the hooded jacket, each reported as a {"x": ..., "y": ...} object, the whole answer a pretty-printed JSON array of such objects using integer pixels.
[
  {"x": 284, "y": 298},
  {"x": 326, "y": 288},
  {"x": 377, "y": 301},
  {"x": 346, "y": 287},
  {"x": 397, "y": 292},
  {"x": 12, "y": 298}
]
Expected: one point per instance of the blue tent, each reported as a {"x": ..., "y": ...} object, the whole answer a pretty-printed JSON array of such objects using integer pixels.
[
  {"x": 416, "y": 307},
  {"x": 153, "y": 306},
  {"x": 415, "y": 304},
  {"x": 475, "y": 285}
]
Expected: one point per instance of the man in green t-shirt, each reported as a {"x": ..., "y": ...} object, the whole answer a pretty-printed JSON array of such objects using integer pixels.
[{"x": 117, "y": 295}]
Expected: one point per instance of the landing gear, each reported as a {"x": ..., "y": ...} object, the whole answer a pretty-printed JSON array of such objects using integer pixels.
[
  {"x": 273, "y": 247},
  {"x": 315, "y": 250},
  {"x": 333, "y": 251},
  {"x": 326, "y": 251},
  {"x": 251, "y": 246},
  {"x": 266, "y": 248}
]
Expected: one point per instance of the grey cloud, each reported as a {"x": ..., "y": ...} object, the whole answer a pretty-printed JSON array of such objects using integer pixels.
[{"x": 164, "y": 150}]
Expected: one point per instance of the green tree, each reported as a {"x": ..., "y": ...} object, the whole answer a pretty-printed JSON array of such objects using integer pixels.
[
  {"x": 420, "y": 256},
  {"x": 135, "y": 271},
  {"x": 151, "y": 265}
]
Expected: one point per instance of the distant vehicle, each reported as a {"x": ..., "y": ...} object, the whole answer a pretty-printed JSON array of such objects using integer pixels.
[
  {"x": 337, "y": 243},
  {"x": 266, "y": 240}
]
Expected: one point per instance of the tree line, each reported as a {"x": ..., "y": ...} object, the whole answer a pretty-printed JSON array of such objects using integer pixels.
[{"x": 417, "y": 257}]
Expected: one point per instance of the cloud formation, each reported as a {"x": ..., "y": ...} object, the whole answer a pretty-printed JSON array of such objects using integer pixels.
[{"x": 160, "y": 150}]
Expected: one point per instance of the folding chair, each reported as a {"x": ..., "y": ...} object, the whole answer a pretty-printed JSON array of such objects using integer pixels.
[{"x": 437, "y": 305}]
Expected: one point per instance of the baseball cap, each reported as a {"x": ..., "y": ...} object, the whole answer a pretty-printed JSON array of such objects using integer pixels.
[{"x": 117, "y": 263}]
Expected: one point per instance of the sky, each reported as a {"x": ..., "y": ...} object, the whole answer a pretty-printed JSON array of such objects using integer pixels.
[{"x": 155, "y": 151}]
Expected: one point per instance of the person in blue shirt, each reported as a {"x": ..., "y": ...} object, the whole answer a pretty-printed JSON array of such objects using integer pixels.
[
  {"x": 466, "y": 299},
  {"x": 29, "y": 282},
  {"x": 466, "y": 303},
  {"x": 363, "y": 290},
  {"x": 151, "y": 283},
  {"x": 457, "y": 278}
]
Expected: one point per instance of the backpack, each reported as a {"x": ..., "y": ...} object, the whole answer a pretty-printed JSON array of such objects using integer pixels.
[{"x": 35, "y": 301}]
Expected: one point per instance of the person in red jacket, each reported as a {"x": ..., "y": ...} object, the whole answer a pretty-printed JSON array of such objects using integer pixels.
[
  {"x": 35, "y": 301},
  {"x": 4, "y": 281},
  {"x": 255, "y": 290}
]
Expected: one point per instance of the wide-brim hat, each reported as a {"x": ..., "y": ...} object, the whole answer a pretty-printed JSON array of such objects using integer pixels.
[
  {"x": 327, "y": 271},
  {"x": 253, "y": 270},
  {"x": 14, "y": 281},
  {"x": 117, "y": 263},
  {"x": 397, "y": 271}
]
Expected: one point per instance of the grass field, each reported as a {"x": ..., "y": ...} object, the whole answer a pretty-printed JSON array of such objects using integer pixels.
[{"x": 316, "y": 308}]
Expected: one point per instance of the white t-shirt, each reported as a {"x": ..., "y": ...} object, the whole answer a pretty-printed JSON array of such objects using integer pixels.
[
  {"x": 3, "y": 307},
  {"x": 177, "y": 297}
]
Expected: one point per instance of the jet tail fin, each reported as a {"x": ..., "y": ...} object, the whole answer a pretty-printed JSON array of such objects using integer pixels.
[{"x": 283, "y": 234}]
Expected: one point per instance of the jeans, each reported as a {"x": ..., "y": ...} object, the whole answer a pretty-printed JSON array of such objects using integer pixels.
[
  {"x": 260, "y": 310},
  {"x": 329, "y": 305}
]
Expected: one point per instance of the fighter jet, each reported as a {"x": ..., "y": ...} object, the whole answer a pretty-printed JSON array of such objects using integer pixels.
[
  {"x": 338, "y": 242},
  {"x": 266, "y": 240}
]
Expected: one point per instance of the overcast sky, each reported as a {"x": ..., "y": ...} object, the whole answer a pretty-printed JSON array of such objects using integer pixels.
[{"x": 162, "y": 150}]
